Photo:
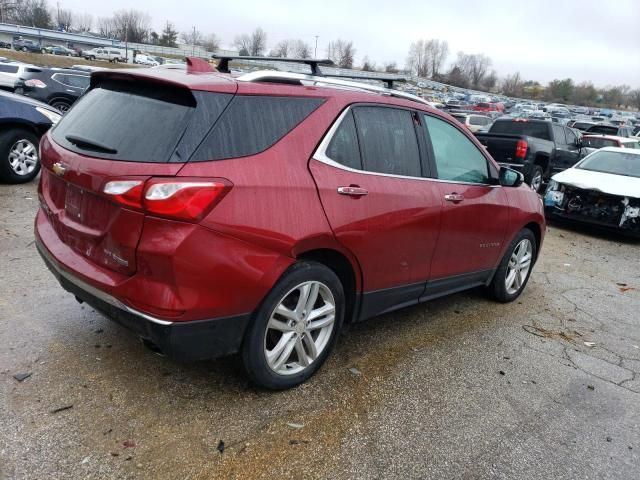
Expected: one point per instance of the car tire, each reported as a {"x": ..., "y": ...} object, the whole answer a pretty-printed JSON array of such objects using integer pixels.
[
  {"x": 513, "y": 273},
  {"x": 61, "y": 105},
  {"x": 24, "y": 49},
  {"x": 43, "y": 51},
  {"x": 16, "y": 164},
  {"x": 536, "y": 178},
  {"x": 281, "y": 349}
]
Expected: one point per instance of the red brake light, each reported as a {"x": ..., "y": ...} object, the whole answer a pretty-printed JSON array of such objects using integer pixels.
[
  {"x": 187, "y": 199},
  {"x": 521, "y": 149},
  {"x": 184, "y": 200}
]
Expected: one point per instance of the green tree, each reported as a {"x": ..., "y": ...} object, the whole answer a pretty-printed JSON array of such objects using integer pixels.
[
  {"x": 168, "y": 36},
  {"x": 560, "y": 90}
]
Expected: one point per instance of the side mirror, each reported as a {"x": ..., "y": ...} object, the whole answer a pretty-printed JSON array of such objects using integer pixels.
[
  {"x": 510, "y": 178},
  {"x": 579, "y": 142}
]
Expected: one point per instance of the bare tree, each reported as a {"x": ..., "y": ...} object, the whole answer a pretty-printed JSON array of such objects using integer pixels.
[
  {"x": 34, "y": 13},
  {"x": 258, "y": 42},
  {"x": 301, "y": 49},
  {"x": 473, "y": 67},
  {"x": 439, "y": 50},
  {"x": 83, "y": 22},
  {"x": 211, "y": 42},
  {"x": 513, "y": 85},
  {"x": 634, "y": 96},
  {"x": 131, "y": 25},
  {"x": 489, "y": 82},
  {"x": 64, "y": 19},
  {"x": 368, "y": 65},
  {"x": 342, "y": 53},
  {"x": 106, "y": 27},
  {"x": 282, "y": 49},
  {"x": 192, "y": 37},
  {"x": 243, "y": 44},
  {"x": 391, "y": 67},
  {"x": 419, "y": 61}
]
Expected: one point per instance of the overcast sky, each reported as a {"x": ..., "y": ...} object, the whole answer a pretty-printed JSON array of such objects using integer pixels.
[{"x": 542, "y": 39}]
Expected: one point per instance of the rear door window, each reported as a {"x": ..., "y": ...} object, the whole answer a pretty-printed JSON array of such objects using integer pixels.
[
  {"x": 530, "y": 129},
  {"x": 8, "y": 68},
  {"x": 388, "y": 141},
  {"x": 558, "y": 134},
  {"x": 457, "y": 158},
  {"x": 127, "y": 122},
  {"x": 252, "y": 124}
]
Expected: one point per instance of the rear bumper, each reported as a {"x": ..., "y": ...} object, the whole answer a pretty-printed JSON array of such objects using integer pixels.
[{"x": 182, "y": 341}]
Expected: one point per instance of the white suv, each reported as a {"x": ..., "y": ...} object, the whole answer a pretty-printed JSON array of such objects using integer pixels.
[
  {"x": 110, "y": 54},
  {"x": 147, "y": 60}
]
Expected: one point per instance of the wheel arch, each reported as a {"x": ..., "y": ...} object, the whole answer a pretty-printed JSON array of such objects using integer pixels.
[{"x": 344, "y": 268}]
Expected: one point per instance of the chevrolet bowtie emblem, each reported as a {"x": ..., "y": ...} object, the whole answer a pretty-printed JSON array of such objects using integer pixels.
[{"x": 59, "y": 169}]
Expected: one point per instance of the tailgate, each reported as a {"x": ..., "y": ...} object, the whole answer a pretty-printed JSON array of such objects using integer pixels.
[
  {"x": 502, "y": 147},
  {"x": 84, "y": 218}
]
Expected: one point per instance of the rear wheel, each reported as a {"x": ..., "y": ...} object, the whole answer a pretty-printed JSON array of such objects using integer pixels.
[
  {"x": 515, "y": 268},
  {"x": 61, "y": 105},
  {"x": 19, "y": 158},
  {"x": 295, "y": 328},
  {"x": 536, "y": 179},
  {"x": 25, "y": 49}
]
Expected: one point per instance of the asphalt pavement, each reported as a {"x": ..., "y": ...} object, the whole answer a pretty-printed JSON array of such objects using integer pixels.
[{"x": 547, "y": 387}]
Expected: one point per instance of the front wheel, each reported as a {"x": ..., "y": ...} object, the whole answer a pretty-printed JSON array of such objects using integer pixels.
[
  {"x": 295, "y": 328},
  {"x": 61, "y": 105},
  {"x": 19, "y": 159},
  {"x": 515, "y": 268}
]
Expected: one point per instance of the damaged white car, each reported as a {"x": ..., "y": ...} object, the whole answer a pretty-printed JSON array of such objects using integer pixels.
[{"x": 602, "y": 189}]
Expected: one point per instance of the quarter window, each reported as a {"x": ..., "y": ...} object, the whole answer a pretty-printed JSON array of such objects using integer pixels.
[
  {"x": 456, "y": 157},
  {"x": 344, "y": 144},
  {"x": 388, "y": 141},
  {"x": 252, "y": 124}
]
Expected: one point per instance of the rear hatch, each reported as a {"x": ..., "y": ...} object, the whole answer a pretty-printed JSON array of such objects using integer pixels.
[
  {"x": 126, "y": 130},
  {"x": 501, "y": 147}
]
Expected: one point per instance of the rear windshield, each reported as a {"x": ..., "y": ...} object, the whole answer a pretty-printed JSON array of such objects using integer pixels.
[
  {"x": 126, "y": 122},
  {"x": 598, "y": 142},
  {"x": 618, "y": 163},
  {"x": 531, "y": 129},
  {"x": 606, "y": 129}
]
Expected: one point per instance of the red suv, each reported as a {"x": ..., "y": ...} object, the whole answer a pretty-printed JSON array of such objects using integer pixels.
[{"x": 213, "y": 215}]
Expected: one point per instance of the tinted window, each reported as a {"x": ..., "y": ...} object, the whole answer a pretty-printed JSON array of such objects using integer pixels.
[
  {"x": 388, "y": 141},
  {"x": 142, "y": 124},
  {"x": 251, "y": 124},
  {"x": 344, "y": 144},
  {"x": 478, "y": 120},
  {"x": 456, "y": 157},
  {"x": 9, "y": 68},
  {"x": 558, "y": 134},
  {"x": 606, "y": 129},
  {"x": 571, "y": 136},
  {"x": 531, "y": 129},
  {"x": 77, "y": 81}
]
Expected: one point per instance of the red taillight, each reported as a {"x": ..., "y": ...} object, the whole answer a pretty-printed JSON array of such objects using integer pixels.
[
  {"x": 34, "y": 82},
  {"x": 521, "y": 149},
  {"x": 183, "y": 199}
]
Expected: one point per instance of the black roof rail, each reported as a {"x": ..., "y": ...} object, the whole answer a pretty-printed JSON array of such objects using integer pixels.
[
  {"x": 314, "y": 63},
  {"x": 388, "y": 80}
]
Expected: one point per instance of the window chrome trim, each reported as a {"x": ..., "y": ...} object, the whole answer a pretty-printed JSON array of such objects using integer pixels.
[{"x": 321, "y": 156}]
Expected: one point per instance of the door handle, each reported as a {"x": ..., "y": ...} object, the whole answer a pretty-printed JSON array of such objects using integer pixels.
[
  {"x": 353, "y": 191},
  {"x": 454, "y": 197}
]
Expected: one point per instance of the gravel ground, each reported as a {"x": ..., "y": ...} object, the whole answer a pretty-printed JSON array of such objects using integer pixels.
[{"x": 545, "y": 387}]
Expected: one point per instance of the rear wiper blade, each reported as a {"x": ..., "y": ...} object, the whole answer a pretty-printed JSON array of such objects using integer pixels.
[{"x": 88, "y": 144}]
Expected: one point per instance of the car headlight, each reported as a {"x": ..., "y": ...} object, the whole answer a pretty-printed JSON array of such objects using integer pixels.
[{"x": 53, "y": 116}]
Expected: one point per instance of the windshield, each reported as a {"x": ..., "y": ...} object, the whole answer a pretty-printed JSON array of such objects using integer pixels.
[
  {"x": 597, "y": 142},
  {"x": 617, "y": 163}
]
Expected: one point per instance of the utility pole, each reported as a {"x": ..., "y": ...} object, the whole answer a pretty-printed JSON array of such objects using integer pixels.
[
  {"x": 315, "y": 53},
  {"x": 193, "y": 50}
]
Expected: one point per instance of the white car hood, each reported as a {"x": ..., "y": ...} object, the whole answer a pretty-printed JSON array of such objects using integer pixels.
[{"x": 602, "y": 182}]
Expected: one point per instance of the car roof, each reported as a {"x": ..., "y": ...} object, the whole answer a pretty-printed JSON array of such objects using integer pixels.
[
  {"x": 225, "y": 83},
  {"x": 619, "y": 150}
]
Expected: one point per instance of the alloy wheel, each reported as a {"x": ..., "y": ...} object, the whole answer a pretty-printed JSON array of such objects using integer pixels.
[
  {"x": 519, "y": 266},
  {"x": 299, "y": 328},
  {"x": 23, "y": 157}
]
